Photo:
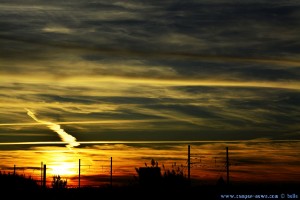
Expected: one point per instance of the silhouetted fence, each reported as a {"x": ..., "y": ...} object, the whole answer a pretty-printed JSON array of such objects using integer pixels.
[
  {"x": 90, "y": 175},
  {"x": 197, "y": 165}
]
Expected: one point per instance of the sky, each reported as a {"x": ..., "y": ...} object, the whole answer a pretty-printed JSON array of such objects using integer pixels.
[{"x": 209, "y": 70}]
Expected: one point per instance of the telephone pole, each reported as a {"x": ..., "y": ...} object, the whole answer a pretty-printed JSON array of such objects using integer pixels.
[
  {"x": 110, "y": 171},
  {"x": 79, "y": 170},
  {"x": 189, "y": 164},
  {"x": 79, "y": 174},
  {"x": 227, "y": 165},
  {"x": 41, "y": 174},
  {"x": 44, "y": 179}
]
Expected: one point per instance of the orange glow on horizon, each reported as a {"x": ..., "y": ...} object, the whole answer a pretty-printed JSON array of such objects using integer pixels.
[{"x": 248, "y": 161}]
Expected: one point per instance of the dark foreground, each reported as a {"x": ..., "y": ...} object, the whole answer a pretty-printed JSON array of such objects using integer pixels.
[{"x": 245, "y": 191}]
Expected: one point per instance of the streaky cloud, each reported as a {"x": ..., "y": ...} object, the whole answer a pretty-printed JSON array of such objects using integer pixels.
[
  {"x": 65, "y": 137},
  {"x": 88, "y": 122},
  {"x": 84, "y": 80}
]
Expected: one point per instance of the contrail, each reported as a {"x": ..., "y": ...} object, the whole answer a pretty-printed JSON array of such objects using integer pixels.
[{"x": 65, "y": 137}]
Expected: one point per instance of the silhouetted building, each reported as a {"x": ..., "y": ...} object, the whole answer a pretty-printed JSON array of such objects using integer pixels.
[{"x": 149, "y": 176}]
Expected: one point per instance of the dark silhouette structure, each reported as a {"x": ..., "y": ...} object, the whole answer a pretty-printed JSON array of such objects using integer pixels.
[
  {"x": 149, "y": 176},
  {"x": 152, "y": 176}
]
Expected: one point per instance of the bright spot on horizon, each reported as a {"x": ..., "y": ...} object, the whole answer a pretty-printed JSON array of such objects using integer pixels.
[{"x": 63, "y": 169}]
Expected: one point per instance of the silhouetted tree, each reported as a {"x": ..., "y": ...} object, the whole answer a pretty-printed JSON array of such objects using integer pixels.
[
  {"x": 17, "y": 182},
  {"x": 58, "y": 183}
]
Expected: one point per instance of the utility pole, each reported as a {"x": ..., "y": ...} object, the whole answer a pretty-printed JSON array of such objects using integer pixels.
[
  {"x": 110, "y": 171},
  {"x": 227, "y": 165},
  {"x": 44, "y": 179},
  {"x": 79, "y": 174},
  {"x": 41, "y": 174},
  {"x": 14, "y": 170},
  {"x": 189, "y": 164},
  {"x": 79, "y": 169}
]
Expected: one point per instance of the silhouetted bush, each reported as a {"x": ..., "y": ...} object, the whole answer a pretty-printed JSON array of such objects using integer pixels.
[
  {"x": 17, "y": 182},
  {"x": 58, "y": 183},
  {"x": 175, "y": 176}
]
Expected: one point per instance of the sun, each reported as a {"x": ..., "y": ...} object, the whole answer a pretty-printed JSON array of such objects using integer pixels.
[{"x": 63, "y": 169}]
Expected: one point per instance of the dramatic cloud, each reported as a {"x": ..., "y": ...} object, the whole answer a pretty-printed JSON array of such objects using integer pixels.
[{"x": 144, "y": 71}]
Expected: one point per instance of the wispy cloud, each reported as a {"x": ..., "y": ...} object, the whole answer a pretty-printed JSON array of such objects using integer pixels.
[
  {"x": 57, "y": 29},
  {"x": 90, "y": 80},
  {"x": 176, "y": 66}
]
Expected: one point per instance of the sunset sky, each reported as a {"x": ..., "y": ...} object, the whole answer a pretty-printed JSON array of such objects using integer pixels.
[{"x": 209, "y": 70}]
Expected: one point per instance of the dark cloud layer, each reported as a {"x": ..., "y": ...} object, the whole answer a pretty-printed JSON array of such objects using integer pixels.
[{"x": 98, "y": 60}]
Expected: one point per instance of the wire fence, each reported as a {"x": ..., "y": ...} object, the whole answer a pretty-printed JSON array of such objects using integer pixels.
[{"x": 204, "y": 167}]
